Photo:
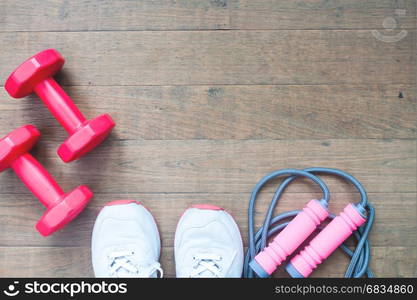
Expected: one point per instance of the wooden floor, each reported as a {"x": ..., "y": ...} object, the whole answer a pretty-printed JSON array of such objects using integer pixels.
[{"x": 208, "y": 97}]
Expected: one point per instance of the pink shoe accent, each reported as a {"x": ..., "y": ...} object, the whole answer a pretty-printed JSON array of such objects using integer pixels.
[
  {"x": 292, "y": 236},
  {"x": 328, "y": 240},
  {"x": 206, "y": 206},
  {"x": 121, "y": 202}
]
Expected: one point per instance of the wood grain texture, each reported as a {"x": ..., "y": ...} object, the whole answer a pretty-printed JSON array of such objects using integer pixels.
[
  {"x": 225, "y": 166},
  {"x": 395, "y": 225},
  {"x": 319, "y": 14},
  {"x": 223, "y": 57},
  {"x": 210, "y": 96},
  {"x": 65, "y": 262},
  {"x": 234, "y": 112},
  {"x": 105, "y": 15}
]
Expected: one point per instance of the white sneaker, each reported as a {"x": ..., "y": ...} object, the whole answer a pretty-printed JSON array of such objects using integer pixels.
[
  {"x": 125, "y": 242},
  {"x": 208, "y": 244}
]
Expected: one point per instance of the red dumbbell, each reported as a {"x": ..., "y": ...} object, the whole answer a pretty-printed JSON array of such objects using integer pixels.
[
  {"x": 61, "y": 207},
  {"x": 35, "y": 75}
]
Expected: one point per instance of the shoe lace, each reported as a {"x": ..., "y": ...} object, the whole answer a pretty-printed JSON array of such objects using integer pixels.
[
  {"x": 121, "y": 265},
  {"x": 206, "y": 265}
]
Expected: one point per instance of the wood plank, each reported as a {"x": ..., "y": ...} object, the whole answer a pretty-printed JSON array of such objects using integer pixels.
[
  {"x": 45, "y": 262},
  {"x": 209, "y": 96},
  {"x": 225, "y": 166},
  {"x": 319, "y": 14},
  {"x": 395, "y": 224},
  {"x": 76, "y": 262},
  {"x": 219, "y": 57},
  {"x": 53, "y": 15},
  {"x": 233, "y": 112}
]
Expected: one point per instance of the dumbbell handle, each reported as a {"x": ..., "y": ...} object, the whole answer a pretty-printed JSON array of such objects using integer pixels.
[
  {"x": 327, "y": 241},
  {"x": 290, "y": 238},
  {"x": 37, "y": 179},
  {"x": 60, "y": 104}
]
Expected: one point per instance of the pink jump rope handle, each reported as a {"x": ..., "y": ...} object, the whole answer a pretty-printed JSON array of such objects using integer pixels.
[
  {"x": 289, "y": 239},
  {"x": 327, "y": 241}
]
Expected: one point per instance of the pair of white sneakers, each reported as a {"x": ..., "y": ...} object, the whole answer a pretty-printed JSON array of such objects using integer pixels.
[{"x": 126, "y": 243}]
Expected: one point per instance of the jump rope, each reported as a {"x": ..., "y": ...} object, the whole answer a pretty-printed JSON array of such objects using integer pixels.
[{"x": 294, "y": 227}]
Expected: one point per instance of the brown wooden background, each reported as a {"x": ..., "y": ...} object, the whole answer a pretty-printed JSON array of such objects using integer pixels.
[{"x": 208, "y": 97}]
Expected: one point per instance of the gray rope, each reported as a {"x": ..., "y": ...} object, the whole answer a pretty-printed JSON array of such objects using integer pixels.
[{"x": 360, "y": 256}]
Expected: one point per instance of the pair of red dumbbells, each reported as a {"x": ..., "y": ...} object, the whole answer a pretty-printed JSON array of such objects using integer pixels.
[{"x": 35, "y": 75}]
